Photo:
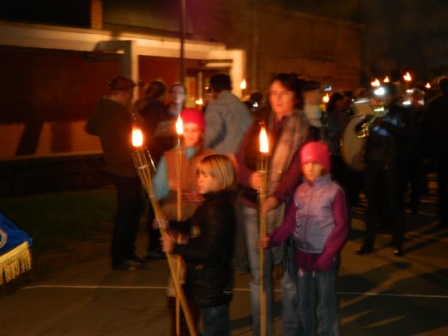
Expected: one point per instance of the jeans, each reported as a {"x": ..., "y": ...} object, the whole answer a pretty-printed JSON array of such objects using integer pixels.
[
  {"x": 250, "y": 216},
  {"x": 290, "y": 320},
  {"x": 384, "y": 190},
  {"x": 289, "y": 284},
  {"x": 130, "y": 207},
  {"x": 442, "y": 182},
  {"x": 215, "y": 320},
  {"x": 240, "y": 259},
  {"x": 318, "y": 303}
]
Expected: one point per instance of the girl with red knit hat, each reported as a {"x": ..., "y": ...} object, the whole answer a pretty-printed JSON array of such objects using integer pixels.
[
  {"x": 317, "y": 219},
  {"x": 166, "y": 183}
]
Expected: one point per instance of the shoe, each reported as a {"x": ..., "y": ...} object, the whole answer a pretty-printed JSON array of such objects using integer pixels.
[
  {"x": 137, "y": 259},
  {"x": 242, "y": 271},
  {"x": 128, "y": 265},
  {"x": 154, "y": 254},
  {"x": 398, "y": 252},
  {"x": 365, "y": 249}
]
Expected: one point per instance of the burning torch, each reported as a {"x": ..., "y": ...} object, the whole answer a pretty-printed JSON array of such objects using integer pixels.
[
  {"x": 142, "y": 160},
  {"x": 178, "y": 160},
  {"x": 262, "y": 168}
]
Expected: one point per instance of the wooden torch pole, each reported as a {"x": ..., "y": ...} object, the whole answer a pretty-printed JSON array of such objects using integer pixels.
[
  {"x": 178, "y": 163},
  {"x": 141, "y": 159},
  {"x": 262, "y": 167}
]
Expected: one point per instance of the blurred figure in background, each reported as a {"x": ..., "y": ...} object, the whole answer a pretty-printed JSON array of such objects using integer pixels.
[
  {"x": 177, "y": 94},
  {"x": 337, "y": 118},
  {"x": 226, "y": 118},
  {"x": 348, "y": 101},
  {"x": 415, "y": 177},
  {"x": 255, "y": 103},
  {"x": 150, "y": 111},
  {"x": 437, "y": 121},
  {"x": 208, "y": 98},
  {"x": 112, "y": 123},
  {"x": 386, "y": 157},
  {"x": 312, "y": 95}
]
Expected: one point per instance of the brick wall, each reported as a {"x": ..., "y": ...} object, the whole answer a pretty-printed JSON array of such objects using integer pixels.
[{"x": 96, "y": 14}]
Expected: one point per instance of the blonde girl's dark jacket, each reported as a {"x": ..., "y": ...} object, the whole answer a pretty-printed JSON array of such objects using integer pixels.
[{"x": 209, "y": 256}]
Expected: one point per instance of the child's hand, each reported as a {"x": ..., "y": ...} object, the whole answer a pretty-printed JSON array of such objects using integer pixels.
[
  {"x": 160, "y": 223},
  {"x": 174, "y": 184},
  {"x": 263, "y": 242},
  {"x": 270, "y": 203},
  {"x": 167, "y": 241},
  {"x": 255, "y": 181},
  {"x": 192, "y": 197}
]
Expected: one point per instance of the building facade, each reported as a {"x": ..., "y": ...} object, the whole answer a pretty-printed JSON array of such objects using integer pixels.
[{"x": 53, "y": 73}]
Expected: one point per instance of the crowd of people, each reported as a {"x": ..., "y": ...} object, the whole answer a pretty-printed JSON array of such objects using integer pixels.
[{"x": 210, "y": 191}]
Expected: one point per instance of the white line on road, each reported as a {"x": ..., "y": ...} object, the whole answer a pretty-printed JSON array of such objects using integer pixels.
[{"x": 235, "y": 289}]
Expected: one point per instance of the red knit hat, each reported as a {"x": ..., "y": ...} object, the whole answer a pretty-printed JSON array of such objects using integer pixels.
[
  {"x": 192, "y": 115},
  {"x": 316, "y": 152}
]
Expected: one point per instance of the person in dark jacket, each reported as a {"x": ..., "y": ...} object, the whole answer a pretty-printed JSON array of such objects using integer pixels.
[
  {"x": 112, "y": 123},
  {"x": 208, "y": 254},
  {"x": 437, "y": 120},
  {"x": 387, "y": 158}
]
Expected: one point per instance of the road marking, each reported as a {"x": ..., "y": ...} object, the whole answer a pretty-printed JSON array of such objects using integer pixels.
[
  {"x": 93, "y": 287},
  {"x": 394, "y": 295},
  {"x": 235, "y": 289}
]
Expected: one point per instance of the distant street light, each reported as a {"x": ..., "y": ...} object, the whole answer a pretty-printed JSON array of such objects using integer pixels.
[{"x": 243, "y": 86}]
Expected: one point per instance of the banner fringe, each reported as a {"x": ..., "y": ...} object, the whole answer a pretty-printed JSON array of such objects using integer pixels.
[{"x": 15, "y": 262}]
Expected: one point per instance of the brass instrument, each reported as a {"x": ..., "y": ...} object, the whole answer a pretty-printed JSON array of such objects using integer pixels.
[
  {"x": 356, "y": 132},
  {"x": 364, "y": 129}
]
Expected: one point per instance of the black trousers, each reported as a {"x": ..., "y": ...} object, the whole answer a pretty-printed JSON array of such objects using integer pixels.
[
  {"x": 130, "y": 207},
  {"x": 384, "y": 188},
  {"x": 441, "y": 162},
  {"x": 153, "y": 234}
]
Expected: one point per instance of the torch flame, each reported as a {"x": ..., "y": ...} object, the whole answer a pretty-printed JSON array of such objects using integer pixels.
[
  {"x": 326, "y": 98},
  {"x": 386, "y": 80},
  {"x": 137, "y": 137},
  {"x": 407, "y": 77},
  {"x": 375, "y": 83},
  {"x": 179, "y": 126},
  {"x": 264, "y": 145},
  {"x": 428, "y": 86},
  {"x": 243, "y": 84}
]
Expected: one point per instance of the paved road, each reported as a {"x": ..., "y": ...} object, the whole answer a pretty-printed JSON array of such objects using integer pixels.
[{"x": 380, "y": 294}]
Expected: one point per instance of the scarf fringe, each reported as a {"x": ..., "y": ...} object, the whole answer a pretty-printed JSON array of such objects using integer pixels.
[{"x": 15, "y": 262}]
